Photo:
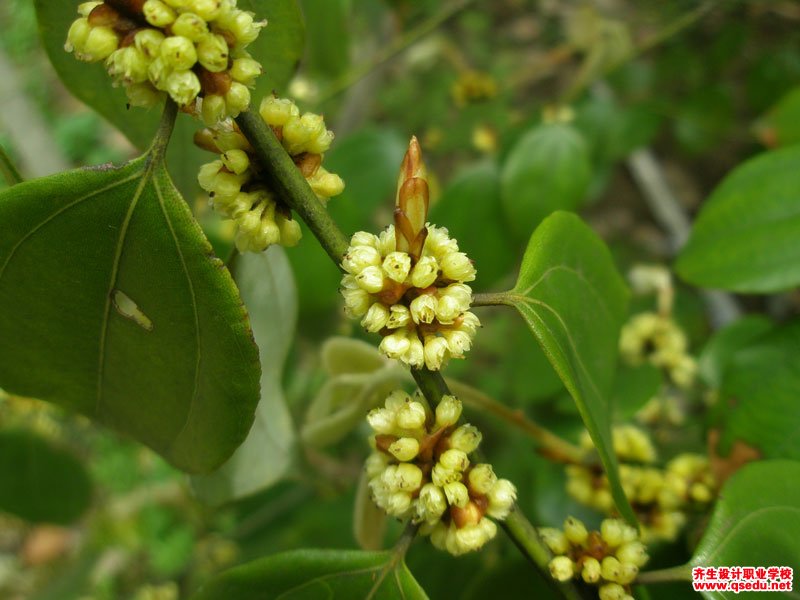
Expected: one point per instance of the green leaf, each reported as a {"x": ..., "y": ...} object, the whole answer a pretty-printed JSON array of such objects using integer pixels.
[
  {"x": 574, "y": 301},
  {"x": 267, "y": 286},
  {"x": 279, "y": 48},
  {"x": 719, "y": 350},
  {"x": 469, "y": 209},
  {"x": 317, "y": 574},
  {"x": 118, "y": 309},
  {"x": 548, "y": 169},
  {"x": 781, "y": 125},
  {"x": 745, "y": 238},
  {"x": 40, "y": 481},
  {"x": 756, "y": 521},
  {"x": 758, "y": 397}
]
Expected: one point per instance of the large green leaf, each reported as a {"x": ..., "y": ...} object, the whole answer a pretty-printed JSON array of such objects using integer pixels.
[
  {"x": 759, "y": 394},
  {"x": 267, "y": 286},
  {"x": 468, "y": 208},
  {"x": 548, "y": 169},
  {"x": 746, "y": 236},
  {"x": 312, "y": 574},
  {"x": 574, "y": 302},
  {"x": 112, "y": 304},
  {"x": 329, "y": 35},
  {"x": 756, "y": 521},
  {"x": 780, "y": 126},
  {"x": 724, "y": 344},
  {"x": 39, "y": 481},
  {"x": 278, "y": 48}
]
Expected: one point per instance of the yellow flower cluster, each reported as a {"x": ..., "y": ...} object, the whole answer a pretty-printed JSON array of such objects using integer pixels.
[
  {"x": 192, "y": 50},
  {"x": 660, "y": 496},
  {"x": 238, "y": 191},
  {"x": 657, "y": 339},
  {"x": 421, "y": 308},
  {"x": 609, "y": 558},
  {"x": 420, "y": 469}
]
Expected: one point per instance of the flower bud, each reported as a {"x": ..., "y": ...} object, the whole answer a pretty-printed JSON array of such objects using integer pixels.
[
  {"x": 242, "y": 26},
  {"x": 236, "y": 160},
  {"x": 207, "y": 175},
  {"x": 399, "y": 316},
  {"x": 554, "y": 539},
  {"x": 431, "y": 503},
  {"x": 591, "y": 570},
  {"x": 289, "y": 229},
  {"x": 208, "y": 10},
  {"x": 363, "y": 238},
  {"x": 627, "y": 573},
  {"x": 381, "y": 420},
  {"x": 191, "y": 26},
  {"x": 448, "y": 411},
  {"x": 441, "y": 475},
  {"x": 612, "y": 532},
  {"x": 396, "y": 266},
  {"x": 376, "y": 318},
  {"x": 454, "y": 460},
  {"x": 458, "y": 342},
  {"x": 397, "y": 400},
  {"x": 425, "y": 272},
  {"x": 562, "y": 568},
  {"x": 423, "y": 308},
  {"x": 183, "y": 87},
  {"x": 86, "y": 8},
  {"x": 321, "y": 143},
  {"x": 245, "y": 70},
  {"x": 482, "y": 479},
  {"x": 398, "y": 504},
  {"x": 237, "y": 99},
  {"x": 439, "y": 243},
  {"x": 612, "y": 591},
  {"x": 325, "y": 185},
  {"x": 411, "y": 415},
  {"x": 575, "y": 531},
  {"x": 456, "y": 266},
  {"x": 277, "y": 111},
  {"x": 127, "y": 65},
  {"x": 466, "y": 438},
  {"x": 148, "y": 42},
  {"x": 371, "y": 279},
  {"x": 501, "y": 499},
  {"x": 610, "y": 568},
  {"x": 158, "y": 72},
  {"x": 226, "y": 186},
  {"x": 407, "y": 477},
  {"x": 142, "y": 94},
  {"x": 632, "y": 552},
  {"x": 77, "y": 35},
  {"x": 456, "y": 494},
  {"x": 386, "y": 241},
  {"x": 436, "y": 352},
  {"x": 178, "y": 52},
  {"x": 212, "y": 52},
  {"x": 404, "y": 449},
  {"x": 298, "y": 132},
  {"x": 360, "y": 257},
  {"x": 100, "y": 43},
  {"x": 158, "y": 14},
  {"x": 395, "y": 345},
  {"x": 415, "y": 356},
  {"x": 357, "y": 302}
]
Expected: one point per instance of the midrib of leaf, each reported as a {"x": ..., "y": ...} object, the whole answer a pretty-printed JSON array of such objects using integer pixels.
[
  {"x": 196, "y": 383},
  {"x": 101, "y": 358}
]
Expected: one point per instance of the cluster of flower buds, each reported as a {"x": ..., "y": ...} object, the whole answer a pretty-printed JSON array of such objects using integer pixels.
[
  {"x": 609, "y": 558},
  {"x": 660, "y": 496},
  {"x": 657, "y": 339},
  {"x": 193, "y": 50},
  {"x": 420, "y": 469},
  {"x": 409, "y": 282},
  {"x": 239, "y": 192}
]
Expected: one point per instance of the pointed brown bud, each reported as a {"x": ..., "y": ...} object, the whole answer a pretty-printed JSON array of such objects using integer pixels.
[
  {"x": 204, "y": 139},
  {"x": 411, "y": 211}
]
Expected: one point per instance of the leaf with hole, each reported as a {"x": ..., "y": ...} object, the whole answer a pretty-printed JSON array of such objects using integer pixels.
[
  {"x": 745, "y": 237},
  {"x": 39, "y": 481},
  {"x": 266, "y": 284},
  {"x": 756, "y": 521},
  {"x": 574, "y": 301},
  {"x": 317, "y": 574},
  {"x": 113, "y": 305}
]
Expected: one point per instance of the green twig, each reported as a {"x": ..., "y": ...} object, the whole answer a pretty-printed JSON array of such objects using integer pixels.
[
  {"x": 552, "y": 446},
  {"x": 490, "y": 299},
  {"x": 681, "y": 573},
  {"x": 285, "y": 178},
  {"x": 10, "y": 172},
  {"x": 400, "y": 44}
]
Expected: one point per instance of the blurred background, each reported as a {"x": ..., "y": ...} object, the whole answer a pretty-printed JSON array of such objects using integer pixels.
[{"x": 628, "y": 112}]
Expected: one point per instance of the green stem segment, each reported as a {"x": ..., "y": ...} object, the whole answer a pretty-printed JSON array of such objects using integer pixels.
[
  {"x": 284, "y": 177},
  {"x": 293, "y": 189},
  {"x": 681, "y": 573},
  {"x": 159, "y": 146}
]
